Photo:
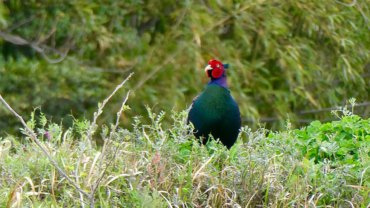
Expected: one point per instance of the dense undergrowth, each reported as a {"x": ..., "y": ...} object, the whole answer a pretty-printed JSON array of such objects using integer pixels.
[
  {"x": 291, "y": 59},
  {"x": 323, "y": 164},
  {"x": 288, "y": 59}
]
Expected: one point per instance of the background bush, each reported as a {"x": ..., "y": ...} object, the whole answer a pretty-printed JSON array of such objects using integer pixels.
[{"x": 286, "y": 58}]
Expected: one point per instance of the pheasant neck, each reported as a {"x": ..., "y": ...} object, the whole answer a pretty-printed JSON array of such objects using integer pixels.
[{"x": 220, "y": 82}]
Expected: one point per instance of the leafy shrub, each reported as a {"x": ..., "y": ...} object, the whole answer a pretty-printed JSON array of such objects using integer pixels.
[
  {"x": 342, "y": 141},
  {"x": 154, "y": 165}
]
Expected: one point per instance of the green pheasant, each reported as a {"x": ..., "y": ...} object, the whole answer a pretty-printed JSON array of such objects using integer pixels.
[{"x": 215, "y": 111}]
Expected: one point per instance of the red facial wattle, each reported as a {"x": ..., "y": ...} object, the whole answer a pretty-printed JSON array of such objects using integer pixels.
[{"x": 216, "y": 67}]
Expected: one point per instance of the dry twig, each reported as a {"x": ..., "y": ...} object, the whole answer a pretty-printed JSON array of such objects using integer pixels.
[
  {"x": 34, "y": 138},
  {"x": 119, "y": 113},
  {"x": 91, "y": 130}
]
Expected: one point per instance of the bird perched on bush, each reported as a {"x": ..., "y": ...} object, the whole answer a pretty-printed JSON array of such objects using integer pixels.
[{"x": 214, "y": 111}]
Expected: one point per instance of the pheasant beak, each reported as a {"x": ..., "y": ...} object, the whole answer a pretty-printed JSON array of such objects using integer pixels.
[
  {"x": 208, "y": 67},
  {"x": 207, "y": 70}
]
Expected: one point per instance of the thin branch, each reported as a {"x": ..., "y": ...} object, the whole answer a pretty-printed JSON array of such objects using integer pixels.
[
  {"x": 116, "y": 150},
  {"x": 39, "y": 48},
  {"x": 57, "y": 60},
  {"x": 47, "y": 36},
  {"x": 119, "y": 113},
  {"x": 202, "y": 167},
  {"x": 33, "y": 136},
  {"x": 100, "y": 107},
  {"x": 13, "y": 39},
  {"x": 21, "y": 23}
]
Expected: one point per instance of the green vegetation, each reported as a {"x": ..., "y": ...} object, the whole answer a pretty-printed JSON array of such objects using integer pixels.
[
  {"x": 289, "y": 60},
  {"x": 285, "y": 57},
  {"x": 319, "y": 165}
]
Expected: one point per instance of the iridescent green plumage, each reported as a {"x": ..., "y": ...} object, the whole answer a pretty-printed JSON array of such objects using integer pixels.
[{"x": 215, "y": 112}]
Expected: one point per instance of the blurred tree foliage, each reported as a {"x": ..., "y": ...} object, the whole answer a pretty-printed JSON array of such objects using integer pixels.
[{"x": 286, "y": 57}]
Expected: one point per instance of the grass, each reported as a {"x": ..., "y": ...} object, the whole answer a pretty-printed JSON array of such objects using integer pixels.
[
  {"x": 321, "y": 165},
  {"x": 152, "y": 166}
]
